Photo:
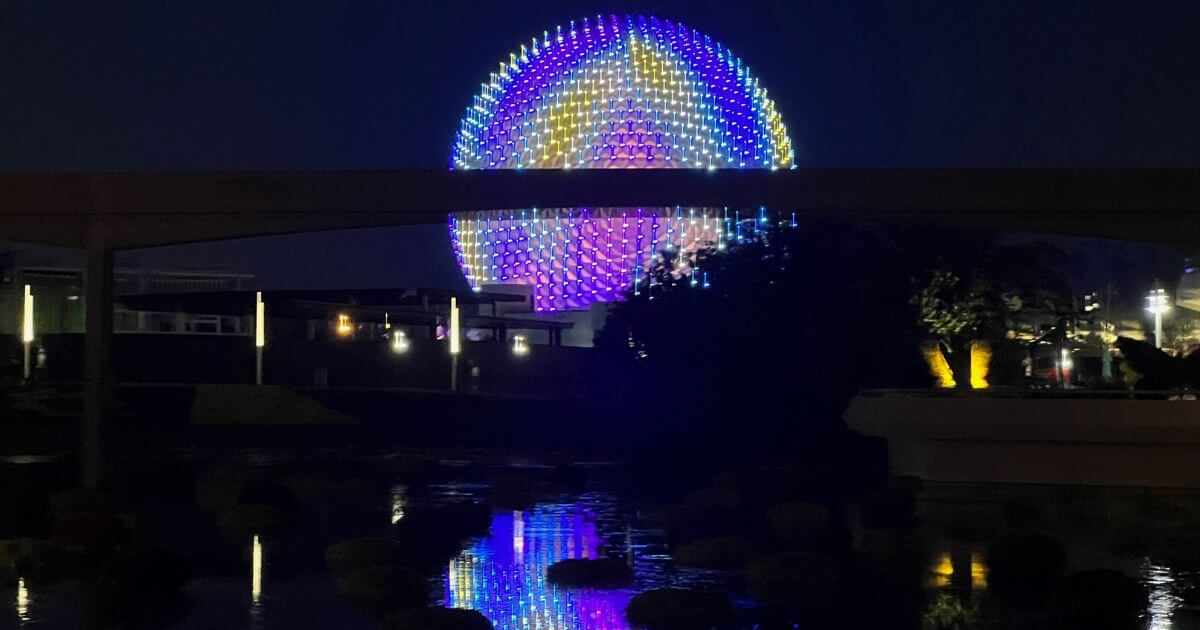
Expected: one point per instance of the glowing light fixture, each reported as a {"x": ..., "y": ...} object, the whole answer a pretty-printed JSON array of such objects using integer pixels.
[
  {"x": 400, "y": 342},
  {"x": 260, "y": 335},
  {"x": 939, "y": 368},
  {"x": 256, "y": 567},
  {"x": 981, "y": 359},
  {"x": 1158, "y": 303},
  {"x": 520, "y": 345},
  {"x": 27, "y": 331},
  {"x": 344, "y": 325},
  {"x": 455, "y": 338},
  {"x": 22, "y": 601}
]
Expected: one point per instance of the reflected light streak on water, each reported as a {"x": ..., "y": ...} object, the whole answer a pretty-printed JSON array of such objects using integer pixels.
[
  {"x": 504, "y": 575},
  {"x": 1164, "y": 596},
  {"x": 256, "y": 561},
  {"x": 22, "y": 601},
  {"x": 399, "y": 502}
]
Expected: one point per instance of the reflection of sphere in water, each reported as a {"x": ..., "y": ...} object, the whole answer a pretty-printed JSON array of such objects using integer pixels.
[
  {"x": 504, "y": 575},
  {"x": 607, "y": 92}
]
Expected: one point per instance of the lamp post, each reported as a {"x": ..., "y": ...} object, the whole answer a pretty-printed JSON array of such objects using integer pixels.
[
  {"x": 260, "y": 336},
  {"x": 455, "y": 344},
  {"x": 27, "y": 332},
  {"x": 1158, "y": 303}
]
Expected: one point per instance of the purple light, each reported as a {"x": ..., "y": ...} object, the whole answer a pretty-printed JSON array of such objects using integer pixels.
[{"x": 611, "y": 92}]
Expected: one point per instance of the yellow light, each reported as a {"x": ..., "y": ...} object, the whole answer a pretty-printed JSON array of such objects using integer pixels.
[
  {"x": 260, "y": 317},
  {"x": 27, "y": 324},
  {"x": 981, "y": 358},
  {"x": 455, "y": 342},
  {"x": 939, "y": 368},
  {"x": 344, "y": 326},
  {"x": 979, "y": 572},
  {"x": 256, "y": 565}
]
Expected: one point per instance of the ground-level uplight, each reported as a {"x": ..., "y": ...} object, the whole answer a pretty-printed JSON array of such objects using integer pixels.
[
  {"x": 344, "y": 326},
  {"x": 400, "y": 342},
  {"x": 455, "y": 343},
  {"x": 256, "y": 567},
  {"x": 1158, "y": 303},
  {"x": 260, "y": 336},
  {"x": 27, "y": 331},
  {"x": 520, "y": 345}
]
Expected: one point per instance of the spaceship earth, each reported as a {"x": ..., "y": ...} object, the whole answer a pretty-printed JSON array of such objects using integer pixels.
[{"x": 608, "y": 92}]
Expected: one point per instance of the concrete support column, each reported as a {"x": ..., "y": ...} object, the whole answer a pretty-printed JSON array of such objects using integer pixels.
[{"x": 98, "y": 378}]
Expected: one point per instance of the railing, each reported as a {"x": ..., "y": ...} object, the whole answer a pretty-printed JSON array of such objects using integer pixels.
[{"x": 1037, "y": 394}]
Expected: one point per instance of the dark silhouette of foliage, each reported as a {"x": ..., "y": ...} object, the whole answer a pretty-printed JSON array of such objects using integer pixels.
[{"x": 1159, "y": 370}]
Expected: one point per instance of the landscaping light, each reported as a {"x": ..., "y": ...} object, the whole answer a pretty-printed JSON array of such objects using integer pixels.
[
  {"x": 344, "y": 326},
  {"x": 260, "y": 336},
  {"x": 256, "y": 566},
  {"x": 27, "y": 331},
  {"x": 455, "y": 341},
  {"x": 400, "y": 343}
]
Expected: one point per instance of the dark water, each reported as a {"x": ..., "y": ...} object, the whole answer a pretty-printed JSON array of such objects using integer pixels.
[{"x": 502, "y": 574}]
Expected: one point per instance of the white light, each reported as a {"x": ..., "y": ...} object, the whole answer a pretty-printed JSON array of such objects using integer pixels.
[
  {"x": 260, "y": 316},
  {"x": 1067, "y": 363},
  {"x": 256, "y": 565},
  {"x": 400, "y": 343},
  {"x": 455, "y": 341},
  {"x": 22, "y": 601},
  {"x": 27, "y": 324},
  {"x": 520, "y": 346},
  {"x": 1157, "y": 302}
]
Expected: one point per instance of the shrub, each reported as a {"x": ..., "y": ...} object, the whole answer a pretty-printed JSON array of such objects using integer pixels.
[
  {"x": 438, "y": 619},
  {"x": 715, "y": 553},
  {"x": 1100, "y": 599},
  {"x": 385, "y": 588},
  {"x": 243, "y": 521},
  {"x": 793, "y": 579},
  {"x": 360, "y": 553},
  {"x": 1024, "y": 568},
  {"x": 34, "y": 560},
  {"x": 90, "y": 530},
  {"x": 680, "y": 609},
  {"x": 604, "y": 572},
  {"x": 798, "y": 522}
]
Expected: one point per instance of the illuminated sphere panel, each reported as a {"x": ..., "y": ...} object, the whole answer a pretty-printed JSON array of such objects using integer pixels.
[
  {"x": 622, "y": 92},
  {"x": 609, "y": 92}
]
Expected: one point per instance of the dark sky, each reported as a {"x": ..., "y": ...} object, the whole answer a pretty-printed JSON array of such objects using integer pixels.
[{"x": 324, "y": 85}]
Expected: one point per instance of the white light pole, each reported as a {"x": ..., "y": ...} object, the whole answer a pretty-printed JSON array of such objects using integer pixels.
[
  {"x": 27, "y": 332},
  {"x": 1158, "y": 303},
  {"x": 260, "y": 336},
  {"x": 455, "y": 344}
]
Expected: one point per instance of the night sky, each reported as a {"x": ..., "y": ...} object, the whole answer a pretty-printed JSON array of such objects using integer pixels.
[{"x": 323, "y": 85}]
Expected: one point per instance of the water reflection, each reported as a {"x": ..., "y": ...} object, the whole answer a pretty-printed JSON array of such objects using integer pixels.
[
  {"x": 960, "y": 569},
  {"x": 22, "y": 601},
  {"x": 1164, "y": 595},
  {"x": 504, "y": 575},
  {"x": 399, "y": 502}
]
